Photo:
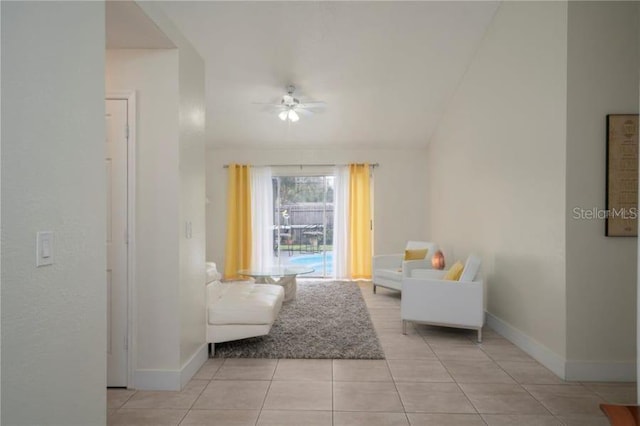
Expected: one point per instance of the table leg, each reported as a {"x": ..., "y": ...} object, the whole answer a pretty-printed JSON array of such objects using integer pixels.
[
  {"x": 289, "y": 284},
  {"x": 290, "y": 287}
]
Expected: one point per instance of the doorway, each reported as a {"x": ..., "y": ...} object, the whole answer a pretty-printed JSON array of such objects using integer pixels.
[
  {"x": 119, "y": 166},
  {"x": 303, "y": 219}
]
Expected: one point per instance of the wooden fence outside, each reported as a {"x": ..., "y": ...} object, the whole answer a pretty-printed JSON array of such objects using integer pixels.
[{"x": 303, "y": 223}]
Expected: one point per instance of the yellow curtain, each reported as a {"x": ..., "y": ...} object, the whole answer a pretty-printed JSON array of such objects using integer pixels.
[
  {"x": 238, "y": 249},
  {"x": 359, "y": 221}
]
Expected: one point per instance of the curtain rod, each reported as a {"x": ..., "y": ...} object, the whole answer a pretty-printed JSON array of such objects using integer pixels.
[{"x": 373, "y": 165}]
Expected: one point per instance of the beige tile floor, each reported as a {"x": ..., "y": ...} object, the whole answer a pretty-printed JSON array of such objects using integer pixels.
[{"x": 432, "y": 376}]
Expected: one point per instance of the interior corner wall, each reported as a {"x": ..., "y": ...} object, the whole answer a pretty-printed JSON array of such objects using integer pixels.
[
  {"x": 153, "y": 74},
  {"x": 192, "y": 206},
  {"x": 193, "y": 350},
  {"x": 497, "y": 174},
  {"x": 602, "y": 79},
  {"x": 400, "y": 208},
  {"x": 53, "y": 130}
]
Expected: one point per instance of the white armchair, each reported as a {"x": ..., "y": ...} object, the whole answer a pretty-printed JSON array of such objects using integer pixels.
[
  {"x": 428, "y": 299},
  {"x": 388, "y": 269}
]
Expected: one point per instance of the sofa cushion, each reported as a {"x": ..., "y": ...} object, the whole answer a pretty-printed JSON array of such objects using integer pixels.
[
  {"x": 246, "y": 304},
  {"x": 214, "y": 290}
]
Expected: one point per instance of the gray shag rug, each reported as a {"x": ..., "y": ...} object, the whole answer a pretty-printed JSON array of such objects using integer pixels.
[{"x": 327, "y": 319}]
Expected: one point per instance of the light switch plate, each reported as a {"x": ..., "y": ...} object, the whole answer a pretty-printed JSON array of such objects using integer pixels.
[
  {"x": 44, "y": 248},
  {"x": 188, "y": 232}
]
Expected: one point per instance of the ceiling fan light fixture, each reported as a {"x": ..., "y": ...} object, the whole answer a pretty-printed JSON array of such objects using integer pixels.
[{"x": 289, "y": 108}]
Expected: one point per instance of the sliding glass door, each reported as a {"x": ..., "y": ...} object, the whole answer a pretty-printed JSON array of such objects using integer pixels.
[{"x": 303, "y": 222}]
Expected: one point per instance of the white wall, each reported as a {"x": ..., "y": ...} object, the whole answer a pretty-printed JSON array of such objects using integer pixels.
[
  {"x": 400, "y": 208},
  {"x": 192, "y": 205},
  {"x": 171, "y": 193},
  {"x": 53, "y": 317},
  {"x": 153, "y": 74},
  {"x": 497, "y": 170},
  {"x": 193, "y": 351},
  {"x": 601, "y": 271}
]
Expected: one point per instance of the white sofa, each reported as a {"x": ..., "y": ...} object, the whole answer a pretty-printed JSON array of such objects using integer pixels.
[
  {"x": 428, "y": 299},
  {"x": 388, "y": 269},
  {"x": 240, "y": 309}
]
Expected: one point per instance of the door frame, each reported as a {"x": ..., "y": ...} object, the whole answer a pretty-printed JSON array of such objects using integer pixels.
[
  {"x": 300, "y": 171},
  {"x": 132, "y": 311}
]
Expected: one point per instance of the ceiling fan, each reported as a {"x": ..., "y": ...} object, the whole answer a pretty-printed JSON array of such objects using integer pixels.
[{"x": 290, "y": 107}]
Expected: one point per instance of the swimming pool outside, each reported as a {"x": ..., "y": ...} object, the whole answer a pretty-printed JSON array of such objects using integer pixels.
[{"x": 315, "y": 261}]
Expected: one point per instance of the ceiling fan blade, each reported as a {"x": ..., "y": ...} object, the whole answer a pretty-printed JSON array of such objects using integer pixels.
[
  {"x": 304, "y": 111},
  {"x": 268, "y": 107},
  {"x": 317, "y": 104}
]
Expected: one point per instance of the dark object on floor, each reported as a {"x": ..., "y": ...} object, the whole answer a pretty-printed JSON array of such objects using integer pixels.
[{"x": 622, "y": 415}]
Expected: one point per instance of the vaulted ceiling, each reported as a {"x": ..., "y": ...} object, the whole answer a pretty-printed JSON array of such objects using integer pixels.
[
  {"x": 385, "y": 69},
  {"x": 128, "y": 27}
]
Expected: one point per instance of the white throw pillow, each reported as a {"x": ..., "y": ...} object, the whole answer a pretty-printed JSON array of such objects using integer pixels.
[{"x": 471, "y": 268}]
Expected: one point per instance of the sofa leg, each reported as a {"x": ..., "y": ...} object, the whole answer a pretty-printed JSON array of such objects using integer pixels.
[
  {"x": 374, "y": 289},
  {"x": 479, "y": 335},
  {"x": 404, "y": 327}
]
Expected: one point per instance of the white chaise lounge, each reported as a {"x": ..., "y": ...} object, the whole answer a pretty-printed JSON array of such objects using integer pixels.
[{"x": 240, "y": 309}]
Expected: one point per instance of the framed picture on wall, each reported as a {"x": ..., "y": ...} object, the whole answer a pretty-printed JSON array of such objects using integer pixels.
[{"x": 622, "y": 176}]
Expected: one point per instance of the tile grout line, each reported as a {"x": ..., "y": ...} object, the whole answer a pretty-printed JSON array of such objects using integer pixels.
[
  {"x": 266, "y": 394},
  {"x": 451, "y": 375},
  {"x": 199, "y": 395},
  {"x": 182, "y": 419},
  {"x": 500, "y": 367},
  {"x": 128, "y": 399},
  {"x": 534, "y": 384},
  {"x": 123, "y": 404},
  {"x": 395, "y": 385},
  {"x": 393, "y": 380},
  {"x": 332, "y": 393},
  {"x": 520, "y": 384},
  {"x": 440, "y": 361},
  {"x": 187, "y": 410},
  {"x": 455, "y": 381},
  {"x": 550, "y": 413}
]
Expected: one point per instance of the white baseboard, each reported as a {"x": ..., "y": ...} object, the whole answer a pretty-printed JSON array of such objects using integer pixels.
[
  {"x": 166, "y": 380},
  {"x": 537, "y": 350},
  {"x": 601, "y": 371},
  {"x": 191, "y": 367},
  {"x": 171, "y": 380},
  {"x": 584, "y": 371}
]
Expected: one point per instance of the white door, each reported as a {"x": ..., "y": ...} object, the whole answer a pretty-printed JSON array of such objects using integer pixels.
[{"x": 116, "y": 165}]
